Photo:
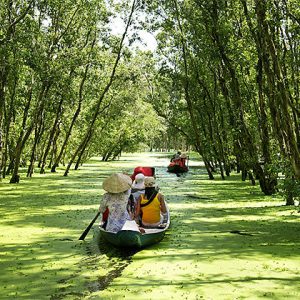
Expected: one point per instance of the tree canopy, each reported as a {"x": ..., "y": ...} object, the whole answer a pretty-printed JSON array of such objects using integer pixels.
[{"x": 224, "y": 80}]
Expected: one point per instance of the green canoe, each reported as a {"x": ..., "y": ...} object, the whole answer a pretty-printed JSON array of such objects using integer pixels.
[{"x": 131, "y": 237}]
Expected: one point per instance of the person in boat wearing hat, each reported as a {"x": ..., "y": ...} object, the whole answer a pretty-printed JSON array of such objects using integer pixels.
[
  {"x": 151, "y": 205},
  {"x": 182, "y": 160},
  {"x": 176, "y": 156},
  {"x": 137, "y": 189},
  {"x": 118, "y": 188},
  {"x": 138, "y": 186}
]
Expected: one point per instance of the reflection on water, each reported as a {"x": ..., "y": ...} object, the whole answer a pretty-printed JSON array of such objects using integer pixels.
[
  {"x": 99, "y": 258},
  {"x": 109, "y": 250},
  {"x": 116, "y": 260}
]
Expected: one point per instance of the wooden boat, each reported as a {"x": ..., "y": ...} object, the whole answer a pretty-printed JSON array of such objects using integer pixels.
[
  {"x": 131, "y": 237},
  {"x": 174, "y": 168}
]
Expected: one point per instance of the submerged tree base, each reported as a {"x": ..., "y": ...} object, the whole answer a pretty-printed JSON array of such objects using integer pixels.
[{"x": 15, "y": 179}]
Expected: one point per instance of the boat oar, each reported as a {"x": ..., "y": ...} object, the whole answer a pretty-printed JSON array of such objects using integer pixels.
[{"x": 89, "y": 227}]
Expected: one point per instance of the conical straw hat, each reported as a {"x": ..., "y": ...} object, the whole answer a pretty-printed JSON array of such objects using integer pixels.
[{"x": 117, "y": 183}]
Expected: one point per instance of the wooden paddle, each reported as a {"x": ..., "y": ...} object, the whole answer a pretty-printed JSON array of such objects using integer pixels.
[{"x": 89, "y": 227}]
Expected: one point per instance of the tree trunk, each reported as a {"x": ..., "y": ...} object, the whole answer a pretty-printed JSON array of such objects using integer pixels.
[
  {"x": 285, "y": 128},
  {"x": 38, "y": 122},
  {"x": 10, "y": 114},
  {"x": 89, "y": 132},
  {"x": 186, "y": 83},
  {"x": 7, "y": 32},
  {"x": 78, "y": 110},
  {"x": 3, "y": 77},
  {"x": 51, "y": 136},
  {"x": 23, "y": 137}
]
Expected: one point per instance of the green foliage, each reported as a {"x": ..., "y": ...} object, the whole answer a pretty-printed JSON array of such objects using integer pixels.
[
  {"x": 213, "y": 86},
  {"x": 223, "y": 80},
  {"x": 59, "y": 59}
]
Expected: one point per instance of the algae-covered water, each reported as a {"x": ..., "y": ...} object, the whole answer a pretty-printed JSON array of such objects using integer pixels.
[{"x": 226, "y": 241}]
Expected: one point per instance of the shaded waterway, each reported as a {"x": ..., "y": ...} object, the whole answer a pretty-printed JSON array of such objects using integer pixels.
[
  {"x": 227, "y": 240},
  {"x": 107, "y": 258}
]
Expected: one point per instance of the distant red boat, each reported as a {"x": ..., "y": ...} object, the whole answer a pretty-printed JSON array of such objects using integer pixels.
[
  {"x": 175, "y": 168},
  {"x": 178, "y": 165}
]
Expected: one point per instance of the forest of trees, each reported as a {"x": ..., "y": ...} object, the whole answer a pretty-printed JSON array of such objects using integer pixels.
[{"x": 224, "y": 80}]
